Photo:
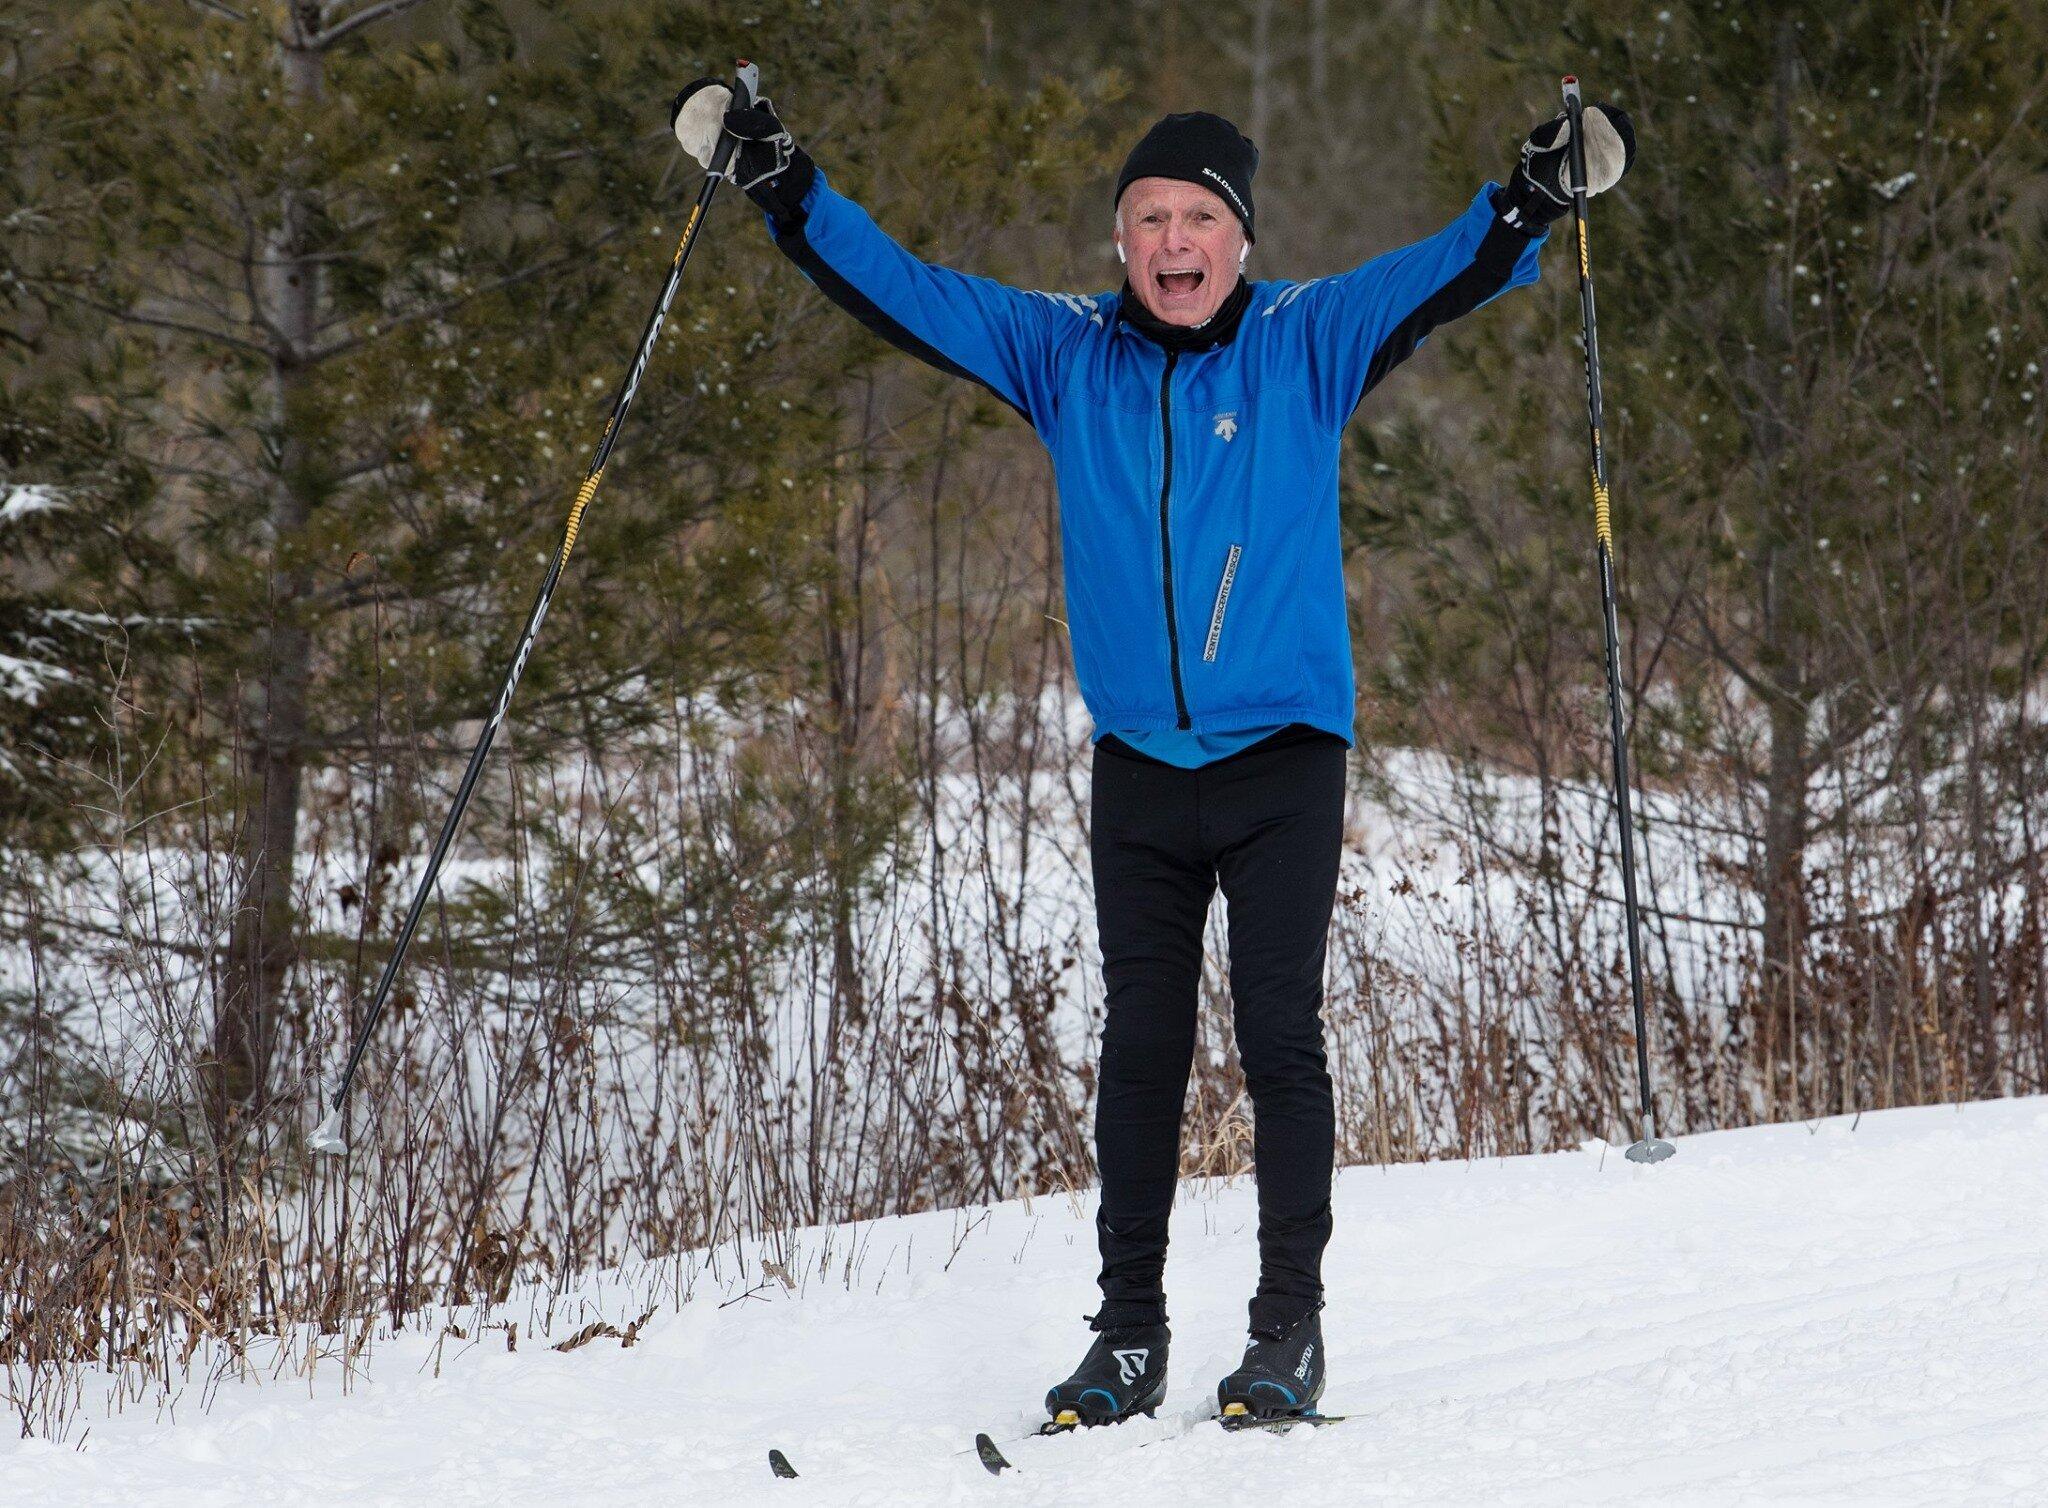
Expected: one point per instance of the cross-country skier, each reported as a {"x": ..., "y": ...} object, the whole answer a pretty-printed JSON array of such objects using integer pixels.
[{"x": 1194, "y": 420}]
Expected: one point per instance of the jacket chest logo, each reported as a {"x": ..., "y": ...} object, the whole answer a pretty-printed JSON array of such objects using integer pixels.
[{"x": 1226, "y": 426}]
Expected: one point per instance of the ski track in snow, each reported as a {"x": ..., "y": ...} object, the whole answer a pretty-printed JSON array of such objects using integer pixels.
[{"x": 1818, "y": 1313}]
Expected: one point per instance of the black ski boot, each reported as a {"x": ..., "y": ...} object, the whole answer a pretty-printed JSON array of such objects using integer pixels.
[
  {"x": 1281, "y": 1374},
  {"x": 1124, "y": 1373}
]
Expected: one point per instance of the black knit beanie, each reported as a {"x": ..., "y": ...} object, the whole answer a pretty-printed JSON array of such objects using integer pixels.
[{"x": 1197, "y": 147}]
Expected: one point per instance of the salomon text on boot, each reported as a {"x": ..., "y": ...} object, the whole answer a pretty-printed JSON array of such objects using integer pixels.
[{"x": 1281, "y": 1374}]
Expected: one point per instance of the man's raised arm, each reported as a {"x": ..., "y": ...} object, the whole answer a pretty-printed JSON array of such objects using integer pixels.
[
  {"x": 1364, "y": 323},
  {"x": 972, "y": 327}
]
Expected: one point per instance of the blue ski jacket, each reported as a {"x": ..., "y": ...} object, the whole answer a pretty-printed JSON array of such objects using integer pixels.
[{"x": 1198, "y": 489}]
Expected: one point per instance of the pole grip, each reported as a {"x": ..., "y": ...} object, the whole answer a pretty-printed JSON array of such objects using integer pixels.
[
  {"x": 1575, "y": 150},
  {"x": 746, "y": 91}
]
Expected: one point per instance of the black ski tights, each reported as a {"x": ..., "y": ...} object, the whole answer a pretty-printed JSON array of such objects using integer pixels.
[{"x": 1267, "y": 823}]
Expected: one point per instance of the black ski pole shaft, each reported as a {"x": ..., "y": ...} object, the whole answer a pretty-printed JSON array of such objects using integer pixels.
[
  {"x": 327, "y": 1136},
  {"x": 1647, "y": 1147}
]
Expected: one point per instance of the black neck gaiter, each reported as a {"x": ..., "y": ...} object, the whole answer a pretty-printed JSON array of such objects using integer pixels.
[{"x": 1218, "y": 329}]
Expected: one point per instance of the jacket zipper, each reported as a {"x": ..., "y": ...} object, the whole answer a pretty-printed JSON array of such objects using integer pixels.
[{"x": 1180, "y": 699}]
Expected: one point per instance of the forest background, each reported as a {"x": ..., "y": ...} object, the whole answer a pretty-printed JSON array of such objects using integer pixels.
[{"x": 772, "y": 909}]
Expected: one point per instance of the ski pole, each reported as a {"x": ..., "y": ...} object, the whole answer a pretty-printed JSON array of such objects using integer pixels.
[
  {"x": 1647, "y": 1147},
  {"x": 327, "y": 1135}
]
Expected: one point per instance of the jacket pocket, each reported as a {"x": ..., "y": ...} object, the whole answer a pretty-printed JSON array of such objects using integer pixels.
[{"x": 1222, "y": 604}]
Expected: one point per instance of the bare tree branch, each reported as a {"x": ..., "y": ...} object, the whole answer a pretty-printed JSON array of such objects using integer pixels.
[
  {"x": 369, "y": 15},
  {"x": 448, "y": 306},
  {"x": 152, "y": 321}
]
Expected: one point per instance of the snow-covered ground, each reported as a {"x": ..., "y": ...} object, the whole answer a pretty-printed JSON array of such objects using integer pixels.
[{"x": 1851, "y": 1313}]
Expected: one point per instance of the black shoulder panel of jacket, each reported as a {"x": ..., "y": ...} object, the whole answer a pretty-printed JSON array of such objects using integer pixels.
[
  {"x": 1491, "y": 267},
  {"x": 791, "y": 241}
]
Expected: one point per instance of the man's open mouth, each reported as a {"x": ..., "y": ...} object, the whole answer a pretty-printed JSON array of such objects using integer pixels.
[{"x": 1179, "y": 281}]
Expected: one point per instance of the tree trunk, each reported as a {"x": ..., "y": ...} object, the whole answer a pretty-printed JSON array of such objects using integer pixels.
[
  {"x": 260, "y": 940},
  {"x": 1318, "y": 52},
  {"x": 1782, "y": 649},
  {"x": 1262, "y": 73},
  {"x": 1787, "y": 827}
]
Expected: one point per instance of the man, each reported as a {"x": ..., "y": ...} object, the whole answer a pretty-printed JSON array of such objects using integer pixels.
[{"x": 1194, "y": 421}]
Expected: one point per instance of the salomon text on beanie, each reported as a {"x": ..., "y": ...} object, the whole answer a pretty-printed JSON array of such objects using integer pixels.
[{"x": 1200, "y": 148}]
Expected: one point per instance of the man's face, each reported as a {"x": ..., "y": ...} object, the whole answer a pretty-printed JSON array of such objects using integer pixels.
[{"x": 1181, "y": 248}]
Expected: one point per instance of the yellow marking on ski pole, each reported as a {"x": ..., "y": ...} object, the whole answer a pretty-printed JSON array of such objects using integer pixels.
[
  {"x": 1585, "y": 262},
  {"x": 1601, "y": 520},
  {"x": 688, "y": 226},
  {"x": 583, "y": 496}
]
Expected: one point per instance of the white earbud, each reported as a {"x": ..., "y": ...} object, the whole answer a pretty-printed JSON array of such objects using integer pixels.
[
  {"x": 1243, "y": 252},
  {"x": 1119, "y": 251}
]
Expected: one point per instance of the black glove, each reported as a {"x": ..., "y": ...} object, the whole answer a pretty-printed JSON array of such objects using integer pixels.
[
  {"x": 775, "y": 172},
  {"x": 1540, "y": 189}
]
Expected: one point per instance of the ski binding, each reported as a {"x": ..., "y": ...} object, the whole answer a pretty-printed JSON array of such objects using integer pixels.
[{"x": 1237, "y": 1417}]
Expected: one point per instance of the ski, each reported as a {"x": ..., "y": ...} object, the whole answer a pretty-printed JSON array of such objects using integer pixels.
[
  {"x": 779, "y": 1464},
  {"x": 997, "y": 1463}
]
